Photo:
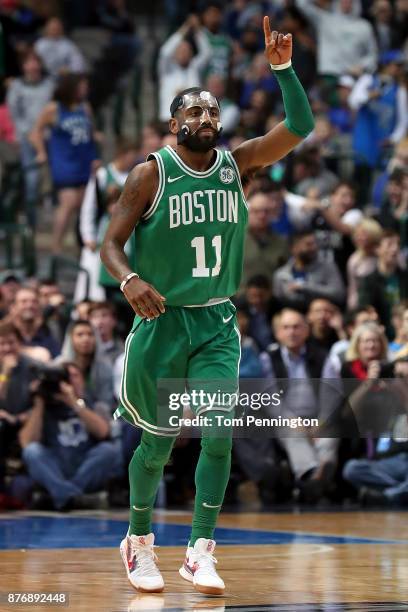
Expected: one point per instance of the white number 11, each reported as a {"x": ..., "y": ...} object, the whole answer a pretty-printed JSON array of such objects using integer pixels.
[{"x": 201, "y": 270}]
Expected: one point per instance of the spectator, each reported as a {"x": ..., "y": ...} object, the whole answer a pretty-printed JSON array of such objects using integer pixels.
[
  {"x": 264, "y": 250},
  {"x": 102, "y": 316},
  {"x": 367, "y": 354},
  {"x": 304, "y": 278},
  {"x": 345, "y": 42},
  {"x": 220, "y": 43},
  {"x": 54, "y": 308},
  {"x": 26, "y": 98},
  {"x": 352, "y": 319},
  {"x": 16, "y": 374},
  {"x": 381, "y": 107},
  {"x": 97, "y": 371},
  {"x": 178, "y": 68},
  {"x": 394, "y": 211},
  {"x": 382, "y": 185},
  {"x": 28, "y": 319},
  {"x": 340, "y": 114},
  {"x": 59, "y": 54},
  {"x": 325, "y": 324},
  {"x": 388, "y": 284},
  {"x": 312, "y": 461},
  {"x": 334, "y": 222},
  {"x": 66, "y": 445},
  {"x": 92, "y": 211},
  {"x": 7, "y": 127},
  {"x": 403, "y": 352},
  {"x": 114, "y": 16},
  {"x": 230, "y": 113},
  {"x": 71, "y": 148},
  {"x": 388, "y": 33},
  {"x": 261, "y": 306},
  {"x": 399, "y": 324},
  {"x": 258, "y": 77},
  {"x": 366, "y": 238},
  {"x": 304, "y": 45},
  {"x": 9, "y": 285},
  {"x": 309, "y": 172},
  {"x": 250, "y": 366}
]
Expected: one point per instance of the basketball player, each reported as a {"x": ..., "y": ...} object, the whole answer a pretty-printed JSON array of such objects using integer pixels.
[{"x": 187, "y": 210}]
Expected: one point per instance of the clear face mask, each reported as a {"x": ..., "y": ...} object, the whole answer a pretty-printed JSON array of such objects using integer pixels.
[{"x": 205, "y": 102}]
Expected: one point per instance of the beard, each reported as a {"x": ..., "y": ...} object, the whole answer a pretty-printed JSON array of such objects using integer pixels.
[
  {"x": 198, "y": 143},
  {"x": 307, "y": 258}
]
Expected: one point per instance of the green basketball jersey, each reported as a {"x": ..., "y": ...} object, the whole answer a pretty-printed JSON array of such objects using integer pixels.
[{"x": 189, "y": 243}]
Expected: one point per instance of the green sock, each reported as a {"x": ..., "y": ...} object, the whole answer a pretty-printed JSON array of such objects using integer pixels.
[
  {"x": 145, "y": 471},
  {"x": 211, "y": 479}
]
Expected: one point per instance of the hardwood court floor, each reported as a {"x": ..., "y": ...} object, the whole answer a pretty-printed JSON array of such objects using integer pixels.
[{"x": 287, "y": 562}]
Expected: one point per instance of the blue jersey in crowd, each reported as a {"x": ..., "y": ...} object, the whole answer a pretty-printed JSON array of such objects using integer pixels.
[
  {"x": 375, "y": 122},
  {"x": 71, "y": 148}
]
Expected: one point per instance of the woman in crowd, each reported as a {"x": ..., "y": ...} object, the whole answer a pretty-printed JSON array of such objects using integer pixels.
[
  {"x": 70, "y": 148},
  {"x": 366, "y": 237}
]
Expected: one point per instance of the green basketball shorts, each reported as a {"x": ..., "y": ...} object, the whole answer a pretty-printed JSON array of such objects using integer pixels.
[{"x": 194, "y": 349}]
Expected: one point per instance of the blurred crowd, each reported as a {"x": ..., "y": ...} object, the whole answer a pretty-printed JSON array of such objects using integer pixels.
[{"x": 324, "y": 295}]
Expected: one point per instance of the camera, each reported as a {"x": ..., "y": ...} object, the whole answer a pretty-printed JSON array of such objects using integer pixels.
[{"x": 49, "y": 378}]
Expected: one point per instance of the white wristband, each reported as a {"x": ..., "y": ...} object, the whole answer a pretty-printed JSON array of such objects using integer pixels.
[
  {"x": 127, "y": 278},
  {"x": 281, "y": 66}
]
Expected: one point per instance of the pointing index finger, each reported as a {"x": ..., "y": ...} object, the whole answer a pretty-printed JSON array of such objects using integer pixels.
[{"x": 267, "y": 30}]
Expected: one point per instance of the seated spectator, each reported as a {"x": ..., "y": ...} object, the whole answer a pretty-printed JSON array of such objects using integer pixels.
[
  {"x": 383, "y": 189},
  {"x": 250, "y": 365},
  {"x": 352, "y": 319},
  {"x": 66, "y": 445},
  {"x": 366, "y": 237},
  {"x": 102, "y": 316},
  {"x": 394, "y": 211},
  {"x": 54, "y": 308},
  {"x": 261, "y": 306},
  {"x": 96, "y": 370},
  {"x": 397, "y": 321},
  {"x": 264, "y": 251},
  {"x": 304, "y": 278},
  {"x": 403, "y": 351},
  {"x": 178, "y": 67},
  {"x": 16, "y": 374},
  {"x": 312, "y": 460},
  {"x": 26, "y": 315},
  {"x": 388, "y": 284},
  {"x": 382, "y": 477},
  {"x": 325, "y": 323},
  {"x": 59, "y": 54}
]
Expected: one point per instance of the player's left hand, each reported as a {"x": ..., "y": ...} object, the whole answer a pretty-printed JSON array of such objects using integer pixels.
[{"x": 278, "y": 46}]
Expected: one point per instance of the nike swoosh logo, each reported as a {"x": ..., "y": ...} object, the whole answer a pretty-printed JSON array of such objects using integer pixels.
[
  {"x": 175, "y": 178},
  {"x": 140, "y": 509},
  {"x": 208, "y": 505},
  {"x": 225, "y": 320}
]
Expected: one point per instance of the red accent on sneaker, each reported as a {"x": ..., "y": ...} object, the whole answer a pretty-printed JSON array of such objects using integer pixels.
[
  {"x": 210, "y": 546},
  {"x": 142, "y": 540}
]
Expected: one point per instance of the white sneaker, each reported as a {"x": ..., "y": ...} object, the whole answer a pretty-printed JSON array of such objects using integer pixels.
[
  {"x": 140, "y": 562},
  {"x": 199, "y": 568}
]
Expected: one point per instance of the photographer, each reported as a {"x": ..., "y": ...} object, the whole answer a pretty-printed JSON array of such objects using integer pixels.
[
  {"x": 15, "y": 379},
  {"x": 65, "y": 441},
  {"x": 383, "y": 479}
]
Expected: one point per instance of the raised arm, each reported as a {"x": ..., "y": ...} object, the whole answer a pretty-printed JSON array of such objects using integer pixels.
[
  {"x": 138, "y": 192},
  {"x": 265, "y": 150}
]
